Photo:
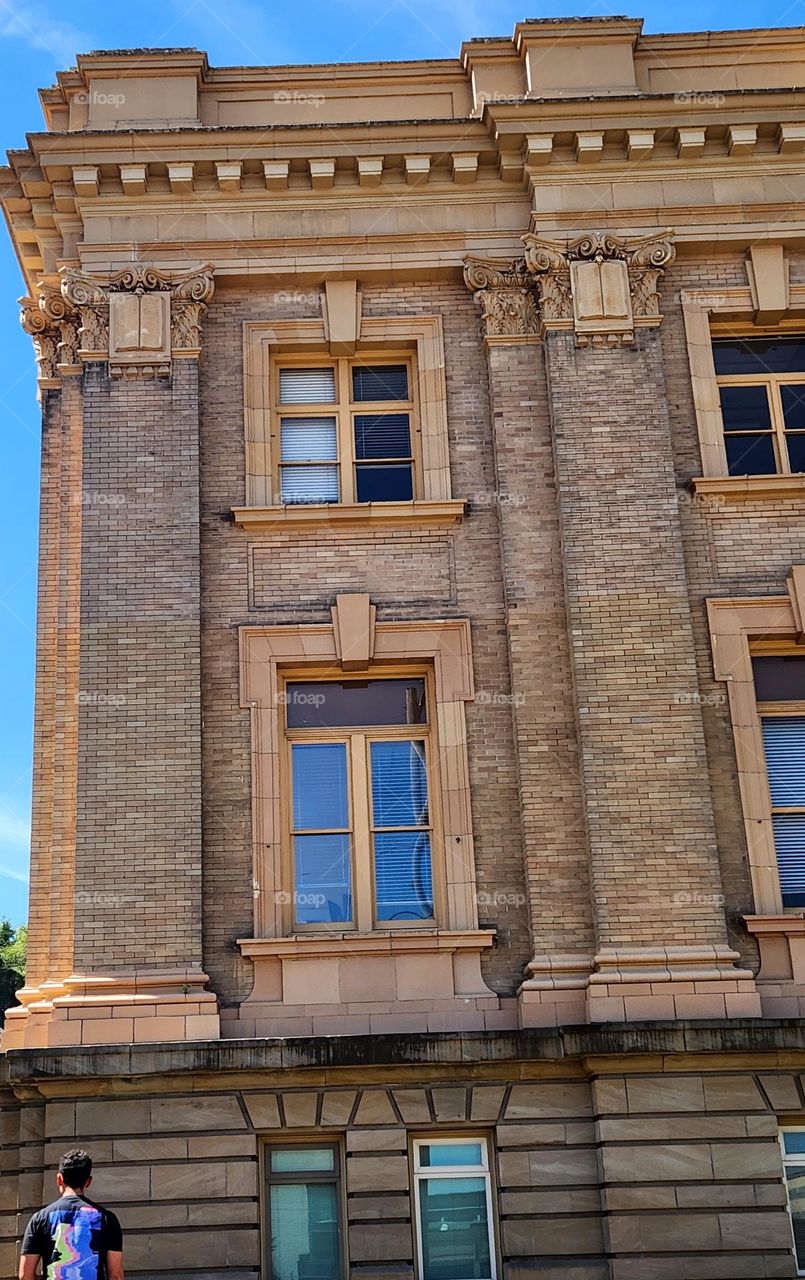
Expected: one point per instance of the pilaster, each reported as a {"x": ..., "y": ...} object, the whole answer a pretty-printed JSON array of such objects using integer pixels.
[
  {"x": 116, "y": 949},
  {"x": 661, "y": 943},
  {"x": 551, "y": 806}
]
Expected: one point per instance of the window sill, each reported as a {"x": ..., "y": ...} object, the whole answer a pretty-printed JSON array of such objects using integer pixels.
[
  {"x": 312, "y": 945},
  {"x": 441, "y": 513},
  {"x": 750, "y": 488}
]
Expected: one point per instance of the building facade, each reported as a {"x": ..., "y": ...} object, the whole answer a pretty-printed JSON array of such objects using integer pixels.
[{"x": 418, "y": 868}]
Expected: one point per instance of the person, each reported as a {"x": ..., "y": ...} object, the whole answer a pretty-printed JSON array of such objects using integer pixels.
[{"x": 75, "y": 1238}]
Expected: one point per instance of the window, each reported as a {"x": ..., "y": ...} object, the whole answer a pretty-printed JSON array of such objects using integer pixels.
[
  {"x": 346, "y": 431},
  {"x": 361, "y": 826},
  {"x": 793, "y": 1144},
  {"x": 303, "y": 1196},
  {"x": 761, "y": 385},
  {"x": 453, "y": 1207},
  {"x": 780, "y": 692}
]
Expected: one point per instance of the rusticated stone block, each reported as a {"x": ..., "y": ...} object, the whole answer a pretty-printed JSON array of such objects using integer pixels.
[
  {"x": 413, "y": 1105},
  {"x": 545, "y": 1101},
  {"x": 336, "y": 1107},
  {"x": 563, "y": 1236},
  {"x": 367, "y": 1173},
  {"x": 377, "y": 1208},
  {"x": 60, "y": 1120},
  {"x": 262, "y": 1109},
  {"x": 377, "y": 1140},
  {"x": 733, "y": 1093},
  {"x": 380, "y": 1241},
  {"x": 202, "y": 1113},
  {"x": 781, "y": 1091},
  {"x": 375, "y": 1108},
  {"x": 650, "y": 1233},
  {"x": 547, "y": 1167},
  {"x": 682, "y": 1162},
  {"x": 666, "y": 1093}
]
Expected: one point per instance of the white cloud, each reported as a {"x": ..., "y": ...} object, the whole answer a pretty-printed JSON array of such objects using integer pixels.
[
  {"x": 11, "y": 873},
  {"x": 33, "y": 24},
  {"x": 14, "y": 830},
  {"x": 15, "y": 840}
]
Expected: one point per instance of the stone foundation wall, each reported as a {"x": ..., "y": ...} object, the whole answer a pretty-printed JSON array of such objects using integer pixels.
[{"x": 648, "y": 1167}]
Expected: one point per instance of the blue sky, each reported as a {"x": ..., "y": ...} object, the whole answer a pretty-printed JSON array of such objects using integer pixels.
[{"x": 41, "y": 37}]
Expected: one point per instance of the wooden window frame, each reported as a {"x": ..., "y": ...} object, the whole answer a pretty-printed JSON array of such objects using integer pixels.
[
  {"x": 311, "y": 1141},
  {"x": 358, "y": 740},
  {"x": 788, "y": 1160},
  {"x": 720, "y": 313},
  {"x": 344, "y": 409},
  {"x": 485, "y": 1170},
  {"x": 421, "y": 337},
  {"x": 740, "y": 630},
  {"x": 442, "y": 647},
  {"x": 772, "y": 383}
]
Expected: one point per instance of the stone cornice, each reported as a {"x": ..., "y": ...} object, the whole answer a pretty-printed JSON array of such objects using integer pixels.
[{"x": 610, "y": 1046}]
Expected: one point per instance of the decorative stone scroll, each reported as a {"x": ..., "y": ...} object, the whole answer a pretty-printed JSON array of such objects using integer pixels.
[
  {"x": 601, "y": 285},
  {"x": 52, "y": 325},
  {"x": 505, "y": 293},
  {"x": 139, "y": 318}
]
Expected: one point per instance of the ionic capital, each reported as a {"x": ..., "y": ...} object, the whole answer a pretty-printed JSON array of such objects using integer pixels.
[
  {"x": 505, "y": 293},
  {"x": 600, "y": 285}
]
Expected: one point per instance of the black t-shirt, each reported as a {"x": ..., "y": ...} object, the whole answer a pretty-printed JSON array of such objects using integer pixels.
[{"x": 72, "y": 1237}]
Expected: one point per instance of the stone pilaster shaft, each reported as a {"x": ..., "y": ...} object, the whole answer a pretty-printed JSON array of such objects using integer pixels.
[
  {"x": 554, "y": 841},
  {"x": 654, "y": 866}
]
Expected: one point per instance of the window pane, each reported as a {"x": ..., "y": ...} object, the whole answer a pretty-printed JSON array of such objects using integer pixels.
[
  {"x": 789, "y": 841},
  {"x": 382, "y": 435},
  {"x": 309, "y": 484},
  {"x": 329, "y": 704},
  {"x": 745, "y": 408},
  {"x": 304, "y": 1231},
  {"x": 750, "y": 455},
  {"x": 796, "y": 452},
  {"x": 793, "y": 398},
  {"x": 403, "y": 886},
  {"x": 307, "y": 386},
  {"x": 320, "y": 786},
  {"x": 795, "y": 1181},
  {"x": 308, "y": 440},
  {"x": 784, "y": 741},
  {"x": 794, "y": 1141},
  {"x": 384, "y": 484},
  {"x": 779, "y": 679},
  {"x": 438, "y": 1154},
  {"x": 302, "y": 1160},
  {"x": 399, "y": 784},
  {"x": 759, "y": 355},
  {"x": 455, "y": 1230},
  {"x": 380, "y": 382},
  {"x": 322, "y": 894}
]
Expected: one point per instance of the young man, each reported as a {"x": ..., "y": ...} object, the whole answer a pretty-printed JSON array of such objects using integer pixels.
[{"x": 76, "y": 1239}]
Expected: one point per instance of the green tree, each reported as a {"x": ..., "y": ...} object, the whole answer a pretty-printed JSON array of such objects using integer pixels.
[{"x": 13, "y": 944}]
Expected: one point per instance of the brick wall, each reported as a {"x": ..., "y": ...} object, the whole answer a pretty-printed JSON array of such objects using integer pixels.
[
  {"x": 295, "y": 579},
  {"x": 138, "y": 831}
]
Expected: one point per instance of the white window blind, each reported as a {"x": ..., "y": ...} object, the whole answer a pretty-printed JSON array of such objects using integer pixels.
[
  {"x": 307, "y": 386},
  {"x": 309, "y": 484},
  {"x": 308, "y": 440},
  {"x": 784, "y": 743}
]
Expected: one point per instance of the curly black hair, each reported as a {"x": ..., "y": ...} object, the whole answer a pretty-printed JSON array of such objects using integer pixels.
[{"x": 75, "y": 1168}]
